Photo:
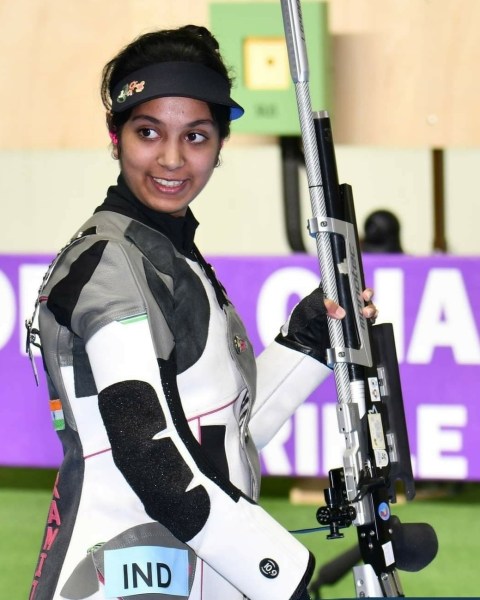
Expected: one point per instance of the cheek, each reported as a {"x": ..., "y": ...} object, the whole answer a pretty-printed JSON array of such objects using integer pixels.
[
  {"x": 132, "y": 153},
  {"x": 210, "y": 162},
  {"x": 207, "y": 170},
  {"x": 203, "y": 164},
  {"x": 132, "y": 163}
]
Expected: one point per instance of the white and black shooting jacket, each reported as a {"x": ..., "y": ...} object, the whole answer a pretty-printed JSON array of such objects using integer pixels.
[{"x": 161, "y": 408}]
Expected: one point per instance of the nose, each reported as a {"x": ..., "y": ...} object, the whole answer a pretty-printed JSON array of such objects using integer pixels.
[{"x": 170, "y": 155}]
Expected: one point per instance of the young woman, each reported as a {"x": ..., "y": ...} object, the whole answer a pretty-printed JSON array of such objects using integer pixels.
[{"x": 163, "y": 404}]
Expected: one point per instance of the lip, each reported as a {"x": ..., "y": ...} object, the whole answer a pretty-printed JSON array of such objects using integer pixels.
[{"x": 169, "y": 186}]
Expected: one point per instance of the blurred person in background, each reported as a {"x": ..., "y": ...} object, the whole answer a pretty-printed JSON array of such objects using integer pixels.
[{"x": 381, "y": 233}]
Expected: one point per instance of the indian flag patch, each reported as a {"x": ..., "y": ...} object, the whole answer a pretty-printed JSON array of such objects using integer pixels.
[{"x": 56, "y": 411}]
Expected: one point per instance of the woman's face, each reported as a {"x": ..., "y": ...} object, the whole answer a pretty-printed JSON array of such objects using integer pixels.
[{"x": 168, "y": 149}]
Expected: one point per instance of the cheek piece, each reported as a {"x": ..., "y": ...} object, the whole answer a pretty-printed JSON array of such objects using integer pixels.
[{"x": 184, "y": 79}]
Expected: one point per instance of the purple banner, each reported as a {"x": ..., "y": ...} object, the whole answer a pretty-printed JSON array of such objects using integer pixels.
[{"x": 433, "y": 303}]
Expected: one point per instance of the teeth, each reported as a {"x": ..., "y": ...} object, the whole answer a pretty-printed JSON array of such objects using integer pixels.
[{"x": 168, "y": 182}]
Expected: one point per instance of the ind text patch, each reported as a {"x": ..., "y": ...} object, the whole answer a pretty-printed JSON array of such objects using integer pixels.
[{"x": 146, "y": 570}]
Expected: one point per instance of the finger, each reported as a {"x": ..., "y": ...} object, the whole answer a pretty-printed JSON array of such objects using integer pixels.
[
  {"x": 367, "y": 294},
  {"x": 370, "y": 311},
  {"x": 334, "y": 310}
]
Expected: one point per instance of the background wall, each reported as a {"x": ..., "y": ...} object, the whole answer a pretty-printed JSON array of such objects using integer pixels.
[{"x": 404, "y": 82}]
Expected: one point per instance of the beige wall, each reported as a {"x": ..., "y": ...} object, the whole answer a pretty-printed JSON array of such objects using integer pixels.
[
  {"x": 404, "y": 74},
  {"x": 55, "y": 50}
]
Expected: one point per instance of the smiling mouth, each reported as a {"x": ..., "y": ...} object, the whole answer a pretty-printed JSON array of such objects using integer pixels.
[{"x": 171, "y": 184}]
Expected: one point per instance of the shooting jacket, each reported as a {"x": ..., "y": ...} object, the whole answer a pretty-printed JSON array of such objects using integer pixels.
[{"x": 156, "y": 398}]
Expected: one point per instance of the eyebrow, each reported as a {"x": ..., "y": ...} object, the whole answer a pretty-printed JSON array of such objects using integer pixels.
[{"x": 156, "y": 121}]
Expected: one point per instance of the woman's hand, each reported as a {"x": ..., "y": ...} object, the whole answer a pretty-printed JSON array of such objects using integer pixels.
[
  {"x": 306, "y": 329},
  {"x": 370, "y": 311}
]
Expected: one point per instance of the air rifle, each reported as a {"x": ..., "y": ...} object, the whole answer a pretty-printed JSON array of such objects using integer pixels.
[{"x": 370, "y": 410}]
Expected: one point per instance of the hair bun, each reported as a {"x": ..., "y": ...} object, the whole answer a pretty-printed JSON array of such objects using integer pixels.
[{"x": 205, "y": 34}]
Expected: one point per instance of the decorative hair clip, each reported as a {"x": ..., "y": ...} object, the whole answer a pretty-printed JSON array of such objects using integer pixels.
[{"x": 113, "y": 137}]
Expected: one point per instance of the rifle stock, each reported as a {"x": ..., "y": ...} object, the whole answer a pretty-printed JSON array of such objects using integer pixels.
[{"x": 370, "y": 408}]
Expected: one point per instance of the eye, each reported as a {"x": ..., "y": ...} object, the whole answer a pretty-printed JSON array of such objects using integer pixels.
[
  {"x": 148, "y": 133},
  {"x": 195, "y": 137}
]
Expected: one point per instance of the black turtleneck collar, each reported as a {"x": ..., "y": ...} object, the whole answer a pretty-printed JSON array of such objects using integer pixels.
[{"x": 179, "y": 230}]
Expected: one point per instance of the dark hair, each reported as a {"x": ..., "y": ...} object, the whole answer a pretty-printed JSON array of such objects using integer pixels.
[
  {"x": 190, "y": 43},
  {"x": 382, "y": 233}
]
